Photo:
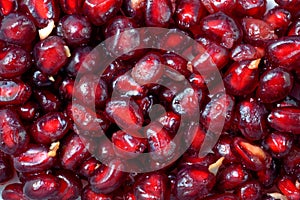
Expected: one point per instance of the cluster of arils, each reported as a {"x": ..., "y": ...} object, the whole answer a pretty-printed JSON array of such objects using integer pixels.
[{"x": 44, "y": 44}]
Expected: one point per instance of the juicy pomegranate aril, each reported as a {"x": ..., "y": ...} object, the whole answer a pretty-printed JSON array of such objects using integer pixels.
[
  {"x": 284, "y": 52},
  {"x": 286, "y": 119},
  {"x": 13, "y": 92},
  {"x": 13, "y": 136}
]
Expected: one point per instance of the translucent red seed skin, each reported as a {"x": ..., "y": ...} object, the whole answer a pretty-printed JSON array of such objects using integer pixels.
[
  {"x": 13, "y": 136},
  {"x": 106, "y": 179},
  {"x": 14, "y": 92},
  {"x": 75, "y": 29},
  {"x": 35, "y": 159},
  {"x": 41, "y": 12},
  {"x": 194, "y": 183},
  {"x": 6, "y": 167},
  {"x": 8, "y": 7},
  {"x": 284, "y": 52},
  {"x": 99, "y": 12},
  {"x": 50, "y": 55},
  {"x": 251, "y": 8},
  {"x": 158, "y": 13},
  {"x": 189, "y": 13},
  {"x": 152, "y": 185},
  {"x": 221, "y": 28},
  {"x": 252, "y": 121},
  {"x": 278, "y": 144},
  {"x": 17, "y": 29},
  {"x": 232, "y": 176},
  {"x": 71, "y": 6},
  {"x": 13, "y": 191},
  {"x": 50, "y": 128},
  {"x": 88, "y": 194},
  {"x": 42, "y": 186},
  {"x": 285, "y": 119},
  {"x": 240, "y": 78},
  {"x": 14, "y": 61}
]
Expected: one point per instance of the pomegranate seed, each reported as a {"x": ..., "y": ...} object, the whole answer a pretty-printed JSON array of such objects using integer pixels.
[
  {"x": 251, "y": 8},
  {"x": 88, "y": 167},
  {"x": 72, "y": 152},
  {"x": 100, "y": 11},
  {"x": 221, "y": 28},
  {"x": 128, "y": 146},
  {"x": 288, "y": 188},
  {"x": 43, "y": 186},
  {"x": 71, "y": 6},
  {"x": 135, "y": 9},
  {"x": 29, "y": 111},
  {"x": 51, "y": 55},
  {"x": 250, "y": 190},
  {"x": 285, "y": 119},
  {"x": 279, "y": 19},
  {"x": 48, "y": 101},
  {"x": 224, "y": 149},
  {"x": 151, "y": 186},
  {"x": 88, "y": 194},
  {"x": 79, "y": 55},
  {"x": 188, "y": 13},
  {"x": 14, "y": 61},
  {"x": 13, "y": 92},
  {"x": 70, "y": 185},
  {"x": 119, "y": 111},
  {"x": 160, "y": 142},
  {"x": 291, "y": 161},
  {"x": 290, "y": 5},
  {"x": 194, "y": 183},
  {"x": 36, "y": 158},
  {"x": 219, "y": 108},
  {"x": 294, "y": 28},
  {"x": 284, "y": 52},
  {"x": 13, "y": 137},
  {"x": 49, "y": 128},
  {"x": 244, "y": 52},
  {"x": 213, "y": 6},
  {"x": 252, "y": 156},
  {"x": 241, "y": 78},
  {"x": 14, "y": 191},
  {"x": 6, "y": 167},
  {"x": 186, "y": 103},
  {"x": 105, "y": 151},
  {"x": 17, "y": 29},
  {"x": 175, "y": 62},
  {"x": 40, "y": 11},
  {"x": 267, "y": 176},
  {"x": 121, "y": 43},
  {"x": 274, "y": 85},
  {"x": 127, "y": 86},
  {"x": 106, "y": 179},
  {"x": 252, "y": 119},
  {"x": 278, "y": 144},
  {"x": 66, "y": 89},
  {"x": 218, "y": 54},
  {"x": 91, "y": 90},
  {"x": 257, "y": 31},
  {"x": 232, "y": 177},
  {"x": 148, "y": 70},
  {"x": 170, "y": 121},
  {"x": 76, "y": 30},
  {"x": 8, "y": 6},
  {"x": 158, "y": 13}
]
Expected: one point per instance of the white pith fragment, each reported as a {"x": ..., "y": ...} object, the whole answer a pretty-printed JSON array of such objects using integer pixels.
[
  {"x": 67, "y": 51},
  {"x": 214, "y": 168},
  {"x": 45, "y": 32},
  {"x": 254, "y": 64},
  {"x": 53, "y": 149}
]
